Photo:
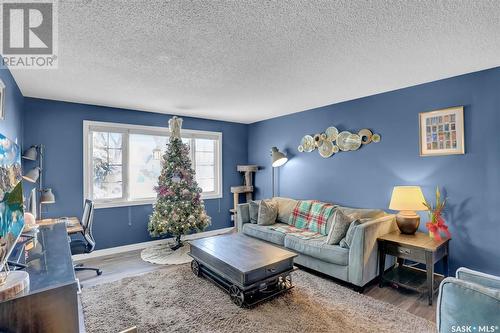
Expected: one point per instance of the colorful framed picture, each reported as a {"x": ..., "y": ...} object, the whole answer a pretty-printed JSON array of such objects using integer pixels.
[{"x": 442, "y": 132}]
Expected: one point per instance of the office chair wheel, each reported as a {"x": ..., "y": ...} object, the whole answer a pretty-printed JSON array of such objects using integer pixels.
[{"x": 99, "y": 272}]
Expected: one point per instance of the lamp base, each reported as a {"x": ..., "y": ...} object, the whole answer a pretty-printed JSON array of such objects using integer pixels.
[{"x": 407, "y": 222}]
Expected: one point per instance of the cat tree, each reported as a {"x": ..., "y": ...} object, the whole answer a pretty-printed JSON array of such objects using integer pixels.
[{"x": 246, "y": 188}]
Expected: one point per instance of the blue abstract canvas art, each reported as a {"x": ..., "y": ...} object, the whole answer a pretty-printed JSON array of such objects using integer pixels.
[{"x": 11, "y": 197}]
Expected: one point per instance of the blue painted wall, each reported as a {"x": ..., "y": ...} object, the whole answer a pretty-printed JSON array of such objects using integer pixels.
[
  {"x": 59, "y": 125},
  {"x": 12, "y": 125},
  {"x": 365, "y": 178}
]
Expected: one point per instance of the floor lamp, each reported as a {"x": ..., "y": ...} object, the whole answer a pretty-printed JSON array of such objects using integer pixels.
[
  {"x": 278, "y": 159},
  {"x": 35, "y": 153}
]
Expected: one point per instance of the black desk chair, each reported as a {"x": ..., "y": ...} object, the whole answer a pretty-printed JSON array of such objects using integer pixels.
[{"x": 87, "y": 244}]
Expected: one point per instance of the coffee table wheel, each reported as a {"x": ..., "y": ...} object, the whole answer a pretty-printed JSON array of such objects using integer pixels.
[
  {"x": 236, "y": 295},
  {"x": 195, "y": 267},
  {"x": 285, "y": 282}
]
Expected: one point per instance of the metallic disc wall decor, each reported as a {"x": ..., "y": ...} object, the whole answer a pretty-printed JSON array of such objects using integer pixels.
[
  {"x": 353, "y": 142},
  {"x": 331, "y": 141},
  {"x": 317, "y": 140},
  {"x": 342, "y": 140},
  {"x": 331, "y": 133},
  {"x": 366, "y": 136},
  {"x": 307, "y": 143},
  {"x": 326, "y": 149}
]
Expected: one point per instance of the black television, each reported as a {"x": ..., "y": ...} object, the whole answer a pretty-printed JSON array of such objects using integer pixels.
[{"x": 11, "y": 197}]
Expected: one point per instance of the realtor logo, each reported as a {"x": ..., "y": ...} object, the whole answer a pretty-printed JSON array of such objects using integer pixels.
[{"x": 29, "y": 34}]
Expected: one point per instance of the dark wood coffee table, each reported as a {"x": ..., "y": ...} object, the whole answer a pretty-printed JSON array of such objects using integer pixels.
[{"x": 250, "y": 270}]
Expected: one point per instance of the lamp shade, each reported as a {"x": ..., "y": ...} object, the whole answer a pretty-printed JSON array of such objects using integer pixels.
[
  {"x": 47, "y": 196},
  {"x": 278, "y": 157},
  {"x": 407, "y": 198},
  {"x": 32, "y": 175},
  {"x": 30, "y": 153}
]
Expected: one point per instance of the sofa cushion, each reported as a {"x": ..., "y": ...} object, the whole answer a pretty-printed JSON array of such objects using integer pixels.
[
  {"x": 317, "y": 248},
  {"x": 254, "y": 211},
  {"x": 265, "y": 233},
  {"x": 285, "y": 208},
  {"x": 339, "y": 227},
  {"x": 268, "y": 211}
]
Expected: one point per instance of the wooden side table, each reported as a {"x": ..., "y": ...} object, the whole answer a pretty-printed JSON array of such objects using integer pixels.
[{"x": 419, "y": 248}]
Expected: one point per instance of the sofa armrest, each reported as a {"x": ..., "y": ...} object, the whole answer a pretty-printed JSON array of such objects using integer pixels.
[
  {"x": 463, "y": 303},
  {"x": 483, "y": 279},
  {"x": 242, "y": 215},
  {"x": 363, "y": 253}
]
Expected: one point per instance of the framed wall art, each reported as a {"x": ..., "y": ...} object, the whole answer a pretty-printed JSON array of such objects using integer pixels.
[{"x": 442, "y": 132}]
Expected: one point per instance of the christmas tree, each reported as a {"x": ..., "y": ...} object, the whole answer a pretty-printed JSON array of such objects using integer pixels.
[{"x": 178, "y": 209}]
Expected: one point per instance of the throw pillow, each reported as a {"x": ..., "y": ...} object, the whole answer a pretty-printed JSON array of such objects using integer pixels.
[
  {"x": 347, "y": 240},
  {"x": 339, "y": 228},
  {"x": 285, "y": 208},
  {"x": 268, "y": 211},
  {"x": 254, "y": 211}
]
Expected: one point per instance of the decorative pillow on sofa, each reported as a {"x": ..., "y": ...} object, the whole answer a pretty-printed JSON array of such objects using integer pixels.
[
  {"x": 285, "y": 208},
  {"x": 254, "y": 211},
  {"x": 268, "y": 211},
  {"x": 347, "y": 240},
  {"x": 339, "y": 228}
]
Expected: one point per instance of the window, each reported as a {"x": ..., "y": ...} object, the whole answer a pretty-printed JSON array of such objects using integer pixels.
[{"x": 122, "y": 162}]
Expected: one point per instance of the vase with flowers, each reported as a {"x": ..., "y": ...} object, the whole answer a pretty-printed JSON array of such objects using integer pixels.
[{"x": 436, "y": 223}]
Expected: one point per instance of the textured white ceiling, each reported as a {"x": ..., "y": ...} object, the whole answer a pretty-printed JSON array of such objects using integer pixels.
[{"x": 246, "y": 61}]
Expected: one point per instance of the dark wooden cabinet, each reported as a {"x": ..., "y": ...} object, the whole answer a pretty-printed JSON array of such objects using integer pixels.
[
  {"x": 51, "y": 302},
  {"x": 419, "y": 248}
]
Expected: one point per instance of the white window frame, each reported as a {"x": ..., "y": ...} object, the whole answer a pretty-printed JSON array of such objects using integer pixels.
[{"x": 126, "y": 129}]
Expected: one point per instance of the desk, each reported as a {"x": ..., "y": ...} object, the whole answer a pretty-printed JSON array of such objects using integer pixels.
[
  {"x": 51, "y": 302},
  {"x": 73, "y": 227}
]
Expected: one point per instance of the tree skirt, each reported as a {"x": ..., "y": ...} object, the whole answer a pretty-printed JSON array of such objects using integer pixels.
[
  {"x": 172, "y": 299},
  {"x": 162, "y": 254}
]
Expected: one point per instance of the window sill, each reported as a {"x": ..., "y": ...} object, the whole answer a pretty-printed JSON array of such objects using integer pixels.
[{"x": 114, "y": 204}]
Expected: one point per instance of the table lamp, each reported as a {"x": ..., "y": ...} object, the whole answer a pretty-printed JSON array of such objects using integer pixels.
[{"x": 407, "y": 200}]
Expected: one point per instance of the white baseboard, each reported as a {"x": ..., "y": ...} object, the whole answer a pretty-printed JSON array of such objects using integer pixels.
[{"x": 143, "y": 245}]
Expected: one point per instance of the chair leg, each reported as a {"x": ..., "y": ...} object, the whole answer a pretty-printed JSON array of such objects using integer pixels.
[
  {"x": 78, "y": 265},
  {"x": 80, "y": 268}
]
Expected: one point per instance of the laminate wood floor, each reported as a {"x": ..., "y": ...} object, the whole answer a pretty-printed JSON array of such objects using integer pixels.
[{"x": 119, "y": 266}]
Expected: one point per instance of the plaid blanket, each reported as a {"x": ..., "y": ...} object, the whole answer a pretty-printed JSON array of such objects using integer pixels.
[
  {"x": 319, "y": 215},
  {"x": 300, "y": 215},
  {"x": 301, "y": 233},
  {"x": 312, "y": 215}
]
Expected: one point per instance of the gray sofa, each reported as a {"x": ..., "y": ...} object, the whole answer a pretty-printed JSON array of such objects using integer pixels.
[{"x": 357, "y": 264}]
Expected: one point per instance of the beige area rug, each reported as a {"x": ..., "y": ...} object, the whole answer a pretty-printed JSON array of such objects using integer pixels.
[
  {"x": 174, "y": 300},
  {"x": 162, "y": 254}
]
